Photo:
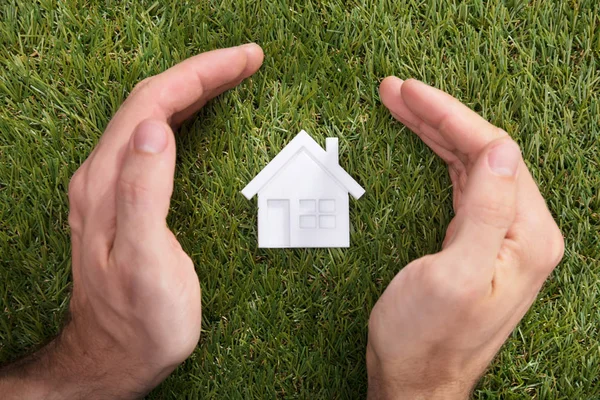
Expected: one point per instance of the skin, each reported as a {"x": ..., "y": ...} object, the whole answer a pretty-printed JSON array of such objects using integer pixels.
[
  {"x": 443, "y": 317},
  {"x": 432, "y": 333},
  {"x": 130, "y": 274}
]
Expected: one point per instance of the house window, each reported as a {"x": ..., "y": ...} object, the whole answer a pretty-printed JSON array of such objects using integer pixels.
[
  {"x": 326, "y": 206},
  {"x": 308, "y": 221},
  {"x": 308, "y": 206},
  {"x": 327, "y": 221},
  {"x": 313, "y": 216}
]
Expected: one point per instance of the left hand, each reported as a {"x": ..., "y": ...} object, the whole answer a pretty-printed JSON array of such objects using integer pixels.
[
  {"x": 135, "y": 308},
  {"x": 136, "y": 298}
]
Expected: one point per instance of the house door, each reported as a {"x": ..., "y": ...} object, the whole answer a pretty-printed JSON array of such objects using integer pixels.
[{"x": 278, "y": 223}]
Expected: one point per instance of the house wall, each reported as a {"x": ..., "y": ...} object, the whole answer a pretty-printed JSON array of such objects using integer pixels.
[{"x": 302, "y": 181}]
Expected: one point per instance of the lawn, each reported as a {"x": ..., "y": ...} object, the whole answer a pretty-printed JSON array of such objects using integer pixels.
[{"x": 293, "y": 324}]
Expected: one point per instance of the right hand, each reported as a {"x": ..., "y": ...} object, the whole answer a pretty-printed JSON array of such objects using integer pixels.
[{"x": 443, "y": 317}]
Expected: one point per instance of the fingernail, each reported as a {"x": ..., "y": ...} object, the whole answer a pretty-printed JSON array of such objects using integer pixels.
[
  {"x": 150, "y": 137},
  {"x": 504, "y": 159},
  {"x": 248, "y": 47}
]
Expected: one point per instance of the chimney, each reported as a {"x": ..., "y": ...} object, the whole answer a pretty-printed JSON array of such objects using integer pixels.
[{"x": 331, "y": 147}]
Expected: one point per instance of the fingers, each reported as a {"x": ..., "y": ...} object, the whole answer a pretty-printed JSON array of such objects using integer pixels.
[
  {"x": 460, "y": 126},
  {"x": 440, "y": 118},
  {"x": 489, "y": 205},
  {"x": 456, "y": 133},
  {"x": 145, "y": 185},
  {"x": 200, "y": 78},
  {"x": 390, "y": 92},
  {"x": 168, "y": 97},
  {"x": 183, "y": 89}
]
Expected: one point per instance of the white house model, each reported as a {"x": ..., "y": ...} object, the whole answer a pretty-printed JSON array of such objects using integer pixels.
[{"x": 303, "y": 196}]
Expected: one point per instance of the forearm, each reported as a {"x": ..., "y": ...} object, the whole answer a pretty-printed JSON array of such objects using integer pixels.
[
  {"x": 25, "y": 378},
  {"x": 42, "y": 375},
  {"x": 63, "y": 369}
]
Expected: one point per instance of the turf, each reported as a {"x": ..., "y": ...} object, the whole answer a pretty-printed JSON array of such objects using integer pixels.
[{"x": 293, "y": 324}]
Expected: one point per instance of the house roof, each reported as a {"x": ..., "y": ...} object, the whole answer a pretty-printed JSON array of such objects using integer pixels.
[{"x": 303, "y": 141}]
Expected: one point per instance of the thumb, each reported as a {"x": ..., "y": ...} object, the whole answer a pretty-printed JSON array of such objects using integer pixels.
[
  {"x": 145, "y": 183},
  {"x": 488, "y": 206}
]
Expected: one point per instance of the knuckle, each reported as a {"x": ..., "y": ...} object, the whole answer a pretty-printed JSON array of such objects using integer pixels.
[
  {"x": 511, "y": 251},
  {"x": 187, "y": 262},
  {"x": 446, "y": 122},
  {"x": 539, "y": 251},
  {"x": 378, "y": 318},
  {"x": 491, "y": 213},
  {"x": 75, "y": 194},
  {"x": 546, "y": 250},
  {"x": 75, "y": 221},
  {"x": 502, "y": 133},
  {"x": 125, "y": 257},
  {"x": 141, "y": 85},
  {"x": 75, "y": 190},
  {"x": 447, "y": 284},
  {"x": 556, "y": 248},
  {"x": 131, "y": 192}
]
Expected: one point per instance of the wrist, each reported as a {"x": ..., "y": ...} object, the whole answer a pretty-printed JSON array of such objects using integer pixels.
[
  {"x": 389, "y": 381},
  {"x": 384, "y": 389},
  {"x": 95, "y": 363},
  {"x": 69, "y": 367}
]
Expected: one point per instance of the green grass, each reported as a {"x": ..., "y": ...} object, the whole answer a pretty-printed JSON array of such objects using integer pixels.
[{"x": 293, "y": 324}]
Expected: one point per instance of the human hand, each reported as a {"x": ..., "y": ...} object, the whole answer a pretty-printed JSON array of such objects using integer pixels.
[
  {"x": 443, "y": 317},
  {"x": 135, "y": 309}
]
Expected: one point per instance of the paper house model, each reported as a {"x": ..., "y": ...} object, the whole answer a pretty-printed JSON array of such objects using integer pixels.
[{"x": 303, "y": 196}]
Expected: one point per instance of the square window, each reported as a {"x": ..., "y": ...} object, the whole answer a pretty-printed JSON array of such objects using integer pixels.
[
  {"x": 327, "y": 221},
  {"x": 308, "y": 206},
  {"x": 326, "y": 206},
  {"x": 308, "y": 222}
]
